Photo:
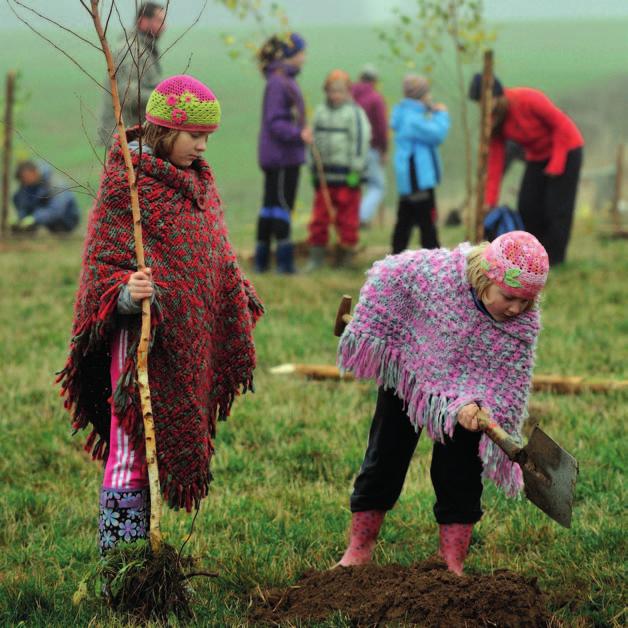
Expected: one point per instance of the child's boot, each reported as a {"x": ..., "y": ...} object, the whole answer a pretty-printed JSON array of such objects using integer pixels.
[
  {"x": 317, "y": 259},
  {"x": 363, "y": 535},
  {"x": 262, "y": 257},
  {"x": 124, "y": 517},
  {"x": 344, "y": 256},
  {"x": 285, "y": 257},
  {"x": 454, "y": 544}
]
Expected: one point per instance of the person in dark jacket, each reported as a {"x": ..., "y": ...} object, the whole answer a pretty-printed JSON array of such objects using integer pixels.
[
  {"x": 552, "y": 146},
  {"x": 282, "y": 139},
  {"x": 366, "y": 95},
  {"x": 41, "y": 203}
]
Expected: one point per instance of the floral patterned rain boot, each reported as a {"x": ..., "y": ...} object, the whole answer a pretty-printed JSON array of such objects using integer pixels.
[
  {"x": 455, "y": 539},
  {"x": 363, "y": 534},
  {"x": 124, "y": 517}
]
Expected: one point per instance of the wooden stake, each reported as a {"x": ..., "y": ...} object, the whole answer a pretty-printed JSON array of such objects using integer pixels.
[
  {"x": 466, "y": 208},
  {"x": 6, "y": 153},
  {"x": 540, "y": 383},
  {"x": 575, "y": 385},
  {"x": 486, "y": 109},
  {"x": 156, "y": 539},
  {"x": 619, "y": 176}
]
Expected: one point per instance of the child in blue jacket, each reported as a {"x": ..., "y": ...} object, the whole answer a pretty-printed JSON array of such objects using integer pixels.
[{"x": 419, "y": 127}]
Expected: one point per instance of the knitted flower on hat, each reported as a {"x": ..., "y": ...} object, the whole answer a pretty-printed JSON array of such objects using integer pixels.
[
  {"x": 184, "y": 103},
  {"x": 517, "y": 263}
]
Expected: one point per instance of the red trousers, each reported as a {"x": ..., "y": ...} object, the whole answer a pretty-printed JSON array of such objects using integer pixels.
[{"x": 346, "y": 202}]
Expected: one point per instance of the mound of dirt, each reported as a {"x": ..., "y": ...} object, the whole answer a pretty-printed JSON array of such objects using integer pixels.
[{"x": 425, "y": 594}]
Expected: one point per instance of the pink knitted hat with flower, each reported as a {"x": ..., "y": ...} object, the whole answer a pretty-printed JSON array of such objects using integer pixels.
[
  {"x": 182, "y": 102},
  {"x": 517, "y": 263}
]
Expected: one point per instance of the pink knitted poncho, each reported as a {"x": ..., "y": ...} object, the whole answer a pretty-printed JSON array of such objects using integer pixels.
[{"x": 417, "y": 330}]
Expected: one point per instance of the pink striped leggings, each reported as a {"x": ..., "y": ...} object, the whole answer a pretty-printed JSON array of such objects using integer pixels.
[{"x": 126, "y": 467}]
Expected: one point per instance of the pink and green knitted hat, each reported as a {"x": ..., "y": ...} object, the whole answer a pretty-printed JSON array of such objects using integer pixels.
[
  {"x": 517, "y": 263},
  {"x": 182, "y": 102}
]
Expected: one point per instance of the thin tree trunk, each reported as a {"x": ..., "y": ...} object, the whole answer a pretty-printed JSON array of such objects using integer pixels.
[
  {"x": 619, "y": 176},
  {"x": 486, "y": 106},
  {"x": 156, "y": 539},
  {"x": 6, "y": 154},
  {"x": 464, "y": 118}
]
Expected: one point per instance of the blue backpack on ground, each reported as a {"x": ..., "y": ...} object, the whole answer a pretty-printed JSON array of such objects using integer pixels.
[{"x": 501, "y": 220}]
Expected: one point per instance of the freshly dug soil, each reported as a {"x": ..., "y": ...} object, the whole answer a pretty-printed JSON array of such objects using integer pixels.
[{"x": 425, "y": 594}]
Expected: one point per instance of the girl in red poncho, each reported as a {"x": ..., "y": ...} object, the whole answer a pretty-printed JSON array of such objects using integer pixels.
[
  {"x": 552, "y": 147},
  {"x": 203, "y": 314}
]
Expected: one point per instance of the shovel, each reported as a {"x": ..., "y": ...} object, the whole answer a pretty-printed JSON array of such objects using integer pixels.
[{"x": 549, "y": 472}]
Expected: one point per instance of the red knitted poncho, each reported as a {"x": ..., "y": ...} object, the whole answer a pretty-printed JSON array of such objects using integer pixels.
[{"x": 202, "y": 351}]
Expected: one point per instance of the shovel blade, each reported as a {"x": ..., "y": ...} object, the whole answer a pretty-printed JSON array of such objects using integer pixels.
[{"x": 549, "y": 477}]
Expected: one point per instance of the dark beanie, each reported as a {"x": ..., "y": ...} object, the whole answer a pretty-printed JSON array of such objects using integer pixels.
[
  {"x": 293, "y": 45},
  {"x": 475, "y": 87}
]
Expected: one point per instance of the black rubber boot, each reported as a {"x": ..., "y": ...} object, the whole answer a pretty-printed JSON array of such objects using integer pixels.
[
  {"x": 262, "y": 257},
  {"x": 285, "y": 257}
]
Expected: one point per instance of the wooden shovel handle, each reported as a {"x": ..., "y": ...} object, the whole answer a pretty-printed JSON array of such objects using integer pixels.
[{"x": 498, "y": 435}]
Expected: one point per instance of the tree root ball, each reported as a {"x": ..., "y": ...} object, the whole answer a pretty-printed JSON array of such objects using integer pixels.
[{"x": 144, "y": 584}]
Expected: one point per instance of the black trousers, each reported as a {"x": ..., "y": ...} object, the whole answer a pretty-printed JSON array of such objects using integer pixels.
[
  {"x": 280, "y": 190},
  {"x": 546, "y": 204},
  {"x": 419, "y": 212},
  {"x": 456, "y": 468}
]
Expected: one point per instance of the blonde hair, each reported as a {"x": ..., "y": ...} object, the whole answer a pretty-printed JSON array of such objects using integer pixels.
[
  {"x": 477, "y": 277},
  {"x": 160, "y": 138}
]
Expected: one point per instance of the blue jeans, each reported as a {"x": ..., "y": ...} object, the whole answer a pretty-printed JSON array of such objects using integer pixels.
[
  {"x": 375, "y": 188},
  {"x": 60, "y": 215}
]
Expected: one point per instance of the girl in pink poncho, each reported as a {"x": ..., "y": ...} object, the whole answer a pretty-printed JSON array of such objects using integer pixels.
[{"x": 444, "y": 333}]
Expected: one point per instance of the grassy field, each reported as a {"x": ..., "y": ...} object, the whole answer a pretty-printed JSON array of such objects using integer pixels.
[{"x": 286, "y": 458}]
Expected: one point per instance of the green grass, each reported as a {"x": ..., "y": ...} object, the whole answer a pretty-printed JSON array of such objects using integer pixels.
[{"x": 286, "y": 458}]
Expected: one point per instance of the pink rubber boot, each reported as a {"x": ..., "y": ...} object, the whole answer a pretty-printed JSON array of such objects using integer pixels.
[
  {"x": 365, "y": 527},
  {"x": 454, "y": 544}
]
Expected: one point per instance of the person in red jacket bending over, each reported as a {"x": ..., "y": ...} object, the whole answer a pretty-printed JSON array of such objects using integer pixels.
[{"x": 552, "y": 146}]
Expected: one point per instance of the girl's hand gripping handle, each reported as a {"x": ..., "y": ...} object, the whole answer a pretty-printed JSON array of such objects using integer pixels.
[{"x": 499, "y": 436}]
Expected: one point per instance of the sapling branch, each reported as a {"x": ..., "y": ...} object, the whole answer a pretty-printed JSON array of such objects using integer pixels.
[
  {"x": 63, "y": 52},
  {"x": 156, "y": 540}
]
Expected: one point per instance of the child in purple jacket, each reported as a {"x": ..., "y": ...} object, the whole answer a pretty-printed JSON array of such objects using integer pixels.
[
  {"x": 282, "y": 140},
  {"x": 444, "y": 334}
]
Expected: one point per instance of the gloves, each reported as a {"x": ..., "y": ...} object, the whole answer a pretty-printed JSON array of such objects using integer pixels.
[{"x": 353, "y": 179}]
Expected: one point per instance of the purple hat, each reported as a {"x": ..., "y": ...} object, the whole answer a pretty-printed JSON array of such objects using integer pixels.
[{"x": 293, "y": 45}]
